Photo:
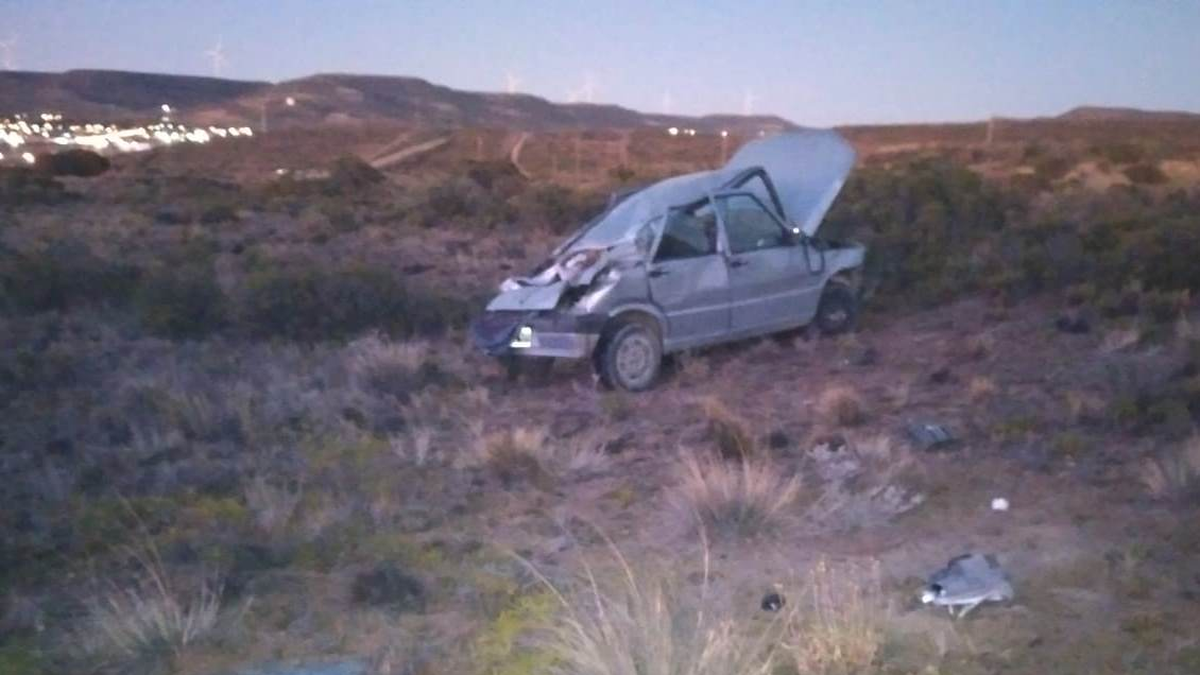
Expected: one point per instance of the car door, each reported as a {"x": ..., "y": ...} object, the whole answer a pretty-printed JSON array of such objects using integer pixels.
[
  {"x": 767, "y": 275},
  {"x": 688, "y": 277}
]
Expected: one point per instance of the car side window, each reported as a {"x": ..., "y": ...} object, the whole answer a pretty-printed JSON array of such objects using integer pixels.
[
  {"x": 688, "y": 233},
  {"x": 749, "y": 226}
]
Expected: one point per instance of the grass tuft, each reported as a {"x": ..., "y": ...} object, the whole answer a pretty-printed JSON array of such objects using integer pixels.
[
  {"x": 746, "y": 498},
  {"x": 842, "y": 405}
]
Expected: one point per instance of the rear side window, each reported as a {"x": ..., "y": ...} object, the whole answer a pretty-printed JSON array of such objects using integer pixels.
[{"x": 688, "y": 233}]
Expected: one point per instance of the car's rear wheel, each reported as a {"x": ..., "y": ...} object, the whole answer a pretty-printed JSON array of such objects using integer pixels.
[
  {"x": 629, "y": 356},
  {"x": 838, "y": 309}
]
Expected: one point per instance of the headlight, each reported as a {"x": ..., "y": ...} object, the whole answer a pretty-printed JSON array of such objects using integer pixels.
[{"x": 524, "y": 338}]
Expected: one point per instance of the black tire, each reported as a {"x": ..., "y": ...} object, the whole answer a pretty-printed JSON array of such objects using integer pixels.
[
  {"x": 629, "y": 356},
  {"x": 837, "y": 312}
]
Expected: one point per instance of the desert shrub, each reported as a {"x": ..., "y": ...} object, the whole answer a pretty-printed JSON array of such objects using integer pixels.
[
  {"x": 76, "y": 162},
  {"x": 498, "y": 177},
  {"x": 62, "y": 276},
  {"x": 560, "y": 209},
  {"x": 744, "y": 498},
  {"x": 351, "y": 172},
  {"x": 643, "y": 620},
  {"x": 1145, "y": 173},
  {"x": 729, "y": 432},
  {"x": 20, "y": 186},
  {"x": 921, "y": 222},
  {"x": 842, "y": 405},
  {"x": 1049, "y": 168},
  {"x": 218, "y": 213},
  {"x": 461, "y": 201},
  {"x": 837, "y": 627},
  {"x": 1175, "y": 473},
  {"x": 1120, "y": 153},
  {"x": 312, "y": 303},
  {"x": 153, "y": 613},
  {"x": 181, "y": 303}
]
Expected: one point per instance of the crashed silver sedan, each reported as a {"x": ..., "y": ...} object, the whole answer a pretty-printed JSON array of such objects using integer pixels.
[{"x": 691, "y": 261}]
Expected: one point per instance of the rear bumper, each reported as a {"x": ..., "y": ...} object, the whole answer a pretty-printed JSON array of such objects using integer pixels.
[{"x": 549, "y": 334}]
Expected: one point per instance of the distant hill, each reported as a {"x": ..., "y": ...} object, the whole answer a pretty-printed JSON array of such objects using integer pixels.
[
  {"x": 1111, "y": 114},
  {"x": 112, "y": 93},
  {"x": 328, "y": 98}
]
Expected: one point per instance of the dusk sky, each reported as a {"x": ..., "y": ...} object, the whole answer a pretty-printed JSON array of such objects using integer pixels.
[{"x": 813, "y": 62}]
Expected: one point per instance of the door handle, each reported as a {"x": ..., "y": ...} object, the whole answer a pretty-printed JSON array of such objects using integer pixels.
[
  {"x": 738, "y": 262},
  {"x": 655, "y": 273}
]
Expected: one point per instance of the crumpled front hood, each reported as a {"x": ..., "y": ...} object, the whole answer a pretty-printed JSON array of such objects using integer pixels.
[{"x": 516, "y": 296}]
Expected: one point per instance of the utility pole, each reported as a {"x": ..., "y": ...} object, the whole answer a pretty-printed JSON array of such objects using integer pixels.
[{"x": 578, "y": 142}]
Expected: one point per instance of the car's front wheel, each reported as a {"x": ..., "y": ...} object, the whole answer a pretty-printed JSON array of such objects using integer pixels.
[
  {"x": 838, "y": 309},
  {"x": 629, "y": 356}
]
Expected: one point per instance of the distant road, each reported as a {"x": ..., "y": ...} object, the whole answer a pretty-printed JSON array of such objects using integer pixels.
[
  {"x": 515, "y": 155},
  {"x": 409, "y": 152}
]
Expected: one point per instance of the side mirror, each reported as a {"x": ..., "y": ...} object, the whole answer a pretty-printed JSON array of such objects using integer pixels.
[{"x": 795, "y": 236}]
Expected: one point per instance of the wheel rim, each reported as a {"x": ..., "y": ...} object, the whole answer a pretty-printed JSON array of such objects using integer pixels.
[{"x": 635, "y": 359}]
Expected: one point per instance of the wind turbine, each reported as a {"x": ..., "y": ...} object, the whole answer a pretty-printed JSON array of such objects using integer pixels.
[
  {"x": 589, "y": 89},
  {"x": 748, "y": 103},
  {"x": 217, "y": 56},
  {"x": 7, "y": 47},
  {"x": 511, "y": 82}
]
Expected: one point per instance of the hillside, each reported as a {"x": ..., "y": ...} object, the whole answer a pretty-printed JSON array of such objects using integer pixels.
[
  {"x": 325, "y": 98},
  {"x": 81, "y": 93},
  {"x": 1088, "y": 113}
]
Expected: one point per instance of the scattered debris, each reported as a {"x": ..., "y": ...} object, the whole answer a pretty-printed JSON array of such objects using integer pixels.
[
  {"x": 773, "y": 602},
  {"x": 999, "y": 504},
  {"x": 966, "y": 582},
  {"x": 831, "y": 442},
  {"x": 929, "y": 437}
]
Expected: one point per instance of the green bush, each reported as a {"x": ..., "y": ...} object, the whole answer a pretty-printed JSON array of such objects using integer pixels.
[
  {"x": 181, "y": 303},
  {"x": 315, "y": 304},
  {"x": 76, "y": 162},
  {"x": 560, "y": 209},
  {"x": 20, "y": 186},
  {"x": 1145, "y": 173},
  {"x": 351, "y": 172},
  {"x": 62, "y": 276}
]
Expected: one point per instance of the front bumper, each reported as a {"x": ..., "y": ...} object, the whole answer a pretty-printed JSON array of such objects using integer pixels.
[{"x": 549, "y": 333}]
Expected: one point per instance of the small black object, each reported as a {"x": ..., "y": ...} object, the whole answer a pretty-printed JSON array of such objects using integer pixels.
[
  {"x": 773, "y": 602},
  {"x": 941, "y": 376}
]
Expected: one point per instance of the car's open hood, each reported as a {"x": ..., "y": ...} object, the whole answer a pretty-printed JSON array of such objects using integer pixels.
[{"x": 808, "y": 168}]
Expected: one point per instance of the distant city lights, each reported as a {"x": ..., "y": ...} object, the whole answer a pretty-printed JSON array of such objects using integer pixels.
[{"x": 34, "y": 133}]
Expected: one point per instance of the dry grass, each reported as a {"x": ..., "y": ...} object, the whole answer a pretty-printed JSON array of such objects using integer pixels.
[
  {"x": 729, "y": 431},
  {"x": 152, "y": 613},
  {"x": 838, "y": 627},
  {"x": 272, "y": 505},
  {"x": 745, "y": 498},
  {"x": 981, "y": 387},
  {"x": 842, "y": 405},
  {"x": 527, "y": 452},
  {"x": 1085, "y": 407},
  {"x": 645, "y": 623},
  {"x": 1120, "y": 339},
  {"x": 1175, "y": 474}
]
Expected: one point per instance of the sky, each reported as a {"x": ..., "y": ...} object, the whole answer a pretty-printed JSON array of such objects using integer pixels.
[{"x": 816, "y": 63}]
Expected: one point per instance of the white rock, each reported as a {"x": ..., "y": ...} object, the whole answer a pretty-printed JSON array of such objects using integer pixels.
[{"x": 999, "y": 504}]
